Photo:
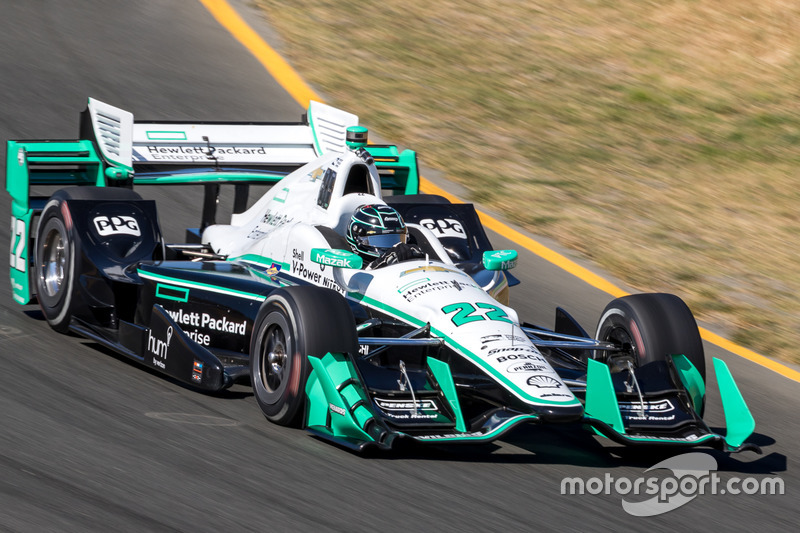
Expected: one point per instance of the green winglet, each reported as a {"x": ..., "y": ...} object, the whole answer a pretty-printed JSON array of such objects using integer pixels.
[
  {"x": 399, "y": 170},
  {"x": 500, "y": 259},
  {"x": 328, "y": 408},
  {"x": 441, "y": 371},
  {"x": 738, "y": 419},
  {"x": 691, "y": 379},
  {"x": 601, "y": 401}
]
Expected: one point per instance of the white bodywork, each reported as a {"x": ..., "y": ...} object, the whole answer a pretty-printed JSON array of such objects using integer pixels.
[{"x": 279, "y": 231}]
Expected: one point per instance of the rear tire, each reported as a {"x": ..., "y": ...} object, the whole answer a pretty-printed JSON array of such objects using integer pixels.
[
  {"x": 293, "y": 323},
  {"x": 651, "y": 327},
  {"x": 54, "y": 268}
]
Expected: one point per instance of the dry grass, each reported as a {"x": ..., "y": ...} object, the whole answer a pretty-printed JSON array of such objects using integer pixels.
[{"x": 660, "y": 139}]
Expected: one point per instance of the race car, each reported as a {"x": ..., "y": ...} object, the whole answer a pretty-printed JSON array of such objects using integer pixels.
[{"x": 294, "y": 295}]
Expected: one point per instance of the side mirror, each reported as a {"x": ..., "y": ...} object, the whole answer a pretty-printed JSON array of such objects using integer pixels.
[
  {"x": 500, "y": 259},
  {"x": 337, "y": 258}
]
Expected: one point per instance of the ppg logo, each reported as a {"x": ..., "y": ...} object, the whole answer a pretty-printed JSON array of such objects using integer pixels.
[
  {"x": 447, "y": 227},
  {"x": 116, "y": 225}
]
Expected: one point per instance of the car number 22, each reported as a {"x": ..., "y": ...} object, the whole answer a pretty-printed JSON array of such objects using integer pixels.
[
  {"x": 466, "y": 312},
  {"x": 17, "y": 244}
]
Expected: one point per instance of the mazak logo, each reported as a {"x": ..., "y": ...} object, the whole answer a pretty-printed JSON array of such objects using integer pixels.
[
  {"x": 116, "y": 225},
  {"x": 334, "y": 261},
  {"x": 693, "y": 474}
]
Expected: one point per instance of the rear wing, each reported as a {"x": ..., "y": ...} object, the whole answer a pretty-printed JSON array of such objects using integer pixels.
[
  {"x": 126, "y": 144},
  {"x": 273, "y": 145},
  {"x": 116, "y": 150}
]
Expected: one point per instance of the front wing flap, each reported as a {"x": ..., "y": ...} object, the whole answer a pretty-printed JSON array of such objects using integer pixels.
[{"x": 603, "y": 414}]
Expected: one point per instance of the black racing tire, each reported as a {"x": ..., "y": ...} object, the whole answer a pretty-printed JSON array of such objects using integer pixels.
[
  {"x": 652, "y": 327},
  {"x": 54, "y": 266},
  {"x": 293, "y": 323}
]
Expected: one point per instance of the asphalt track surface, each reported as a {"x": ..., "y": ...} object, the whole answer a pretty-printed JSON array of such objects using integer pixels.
[{"x": 91, "y": 442}]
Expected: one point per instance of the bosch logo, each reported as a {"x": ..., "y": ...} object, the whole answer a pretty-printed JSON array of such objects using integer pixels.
[{"x": 116, "y": 225}]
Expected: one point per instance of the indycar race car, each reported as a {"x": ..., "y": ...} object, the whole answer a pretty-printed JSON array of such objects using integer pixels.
[{"x": 425, "y": 349}]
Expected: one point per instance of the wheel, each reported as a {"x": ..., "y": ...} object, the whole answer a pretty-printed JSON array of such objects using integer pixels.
[
  {"x": 650, "y": 327},
  {"x": 292, "y": 323},
  {"x": 54, "y": 267},
  {"x": 59, "y": 256}
]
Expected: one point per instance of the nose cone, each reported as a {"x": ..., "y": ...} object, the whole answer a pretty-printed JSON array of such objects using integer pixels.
[{"x": 560, "y": 414}]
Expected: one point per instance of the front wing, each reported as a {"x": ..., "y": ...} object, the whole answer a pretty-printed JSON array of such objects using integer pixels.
[{"x": 341, "y": 408}]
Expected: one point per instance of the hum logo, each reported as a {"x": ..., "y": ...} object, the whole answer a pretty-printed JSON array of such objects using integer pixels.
[
  {"x": 159, "y": 347},
  {"x": 116, "y": 225}
]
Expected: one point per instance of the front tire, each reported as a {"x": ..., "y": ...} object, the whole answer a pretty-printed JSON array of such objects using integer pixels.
[
  {"x": 650, "y": 327},
  {"x": 293, "y": 323}
]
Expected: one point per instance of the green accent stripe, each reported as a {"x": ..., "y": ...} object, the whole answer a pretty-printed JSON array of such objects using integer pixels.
[
  {"x": 260, "y": 260},
  {"x": 317, "y": 146},
  {"x": 181, "y": 290},
  {"x": 661, "y": 440},
  {"x": 420, "y": 281},
  {"x": 285, "y": 196},
  {"x": 213, "y": 177},
  {"x": 202, "y": 286},
  {"x": 482, "y": 437},
  {"x": 166, "y": 135}
]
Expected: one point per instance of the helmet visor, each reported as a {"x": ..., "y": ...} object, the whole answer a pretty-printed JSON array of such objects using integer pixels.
[{"x": 386, "y": 240}]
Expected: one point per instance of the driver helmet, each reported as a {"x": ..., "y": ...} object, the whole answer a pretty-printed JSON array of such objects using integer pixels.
[{"x": 374, "y": 229}]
